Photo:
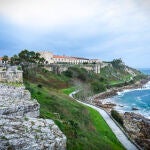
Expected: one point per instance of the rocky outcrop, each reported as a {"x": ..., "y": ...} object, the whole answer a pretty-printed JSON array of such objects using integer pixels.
[
  {"x": 138, "y": 129},
  {"x": 16, "y": 101},
  {"x": 25, "y": 133},
  {"x": 11, "y": 74},
  {"x": 20, "y": 129}
]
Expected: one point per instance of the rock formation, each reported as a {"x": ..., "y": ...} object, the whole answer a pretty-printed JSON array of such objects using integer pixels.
[
  {"x": 138, "y": 129},
  {"x": 20, "y": 129},
  {"x": 11, "y": 74}
]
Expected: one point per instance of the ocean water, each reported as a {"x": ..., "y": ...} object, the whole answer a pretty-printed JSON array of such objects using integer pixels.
[
  {"x": 135, "y": 98},
  {"x": 145, "y": 71}
]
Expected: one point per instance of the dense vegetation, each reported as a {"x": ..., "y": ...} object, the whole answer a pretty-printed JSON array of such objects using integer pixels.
[
  {"x": 83, "y": 126},
  {"x": 117, "y": 117},
  {"x": 117, "y": 74}
]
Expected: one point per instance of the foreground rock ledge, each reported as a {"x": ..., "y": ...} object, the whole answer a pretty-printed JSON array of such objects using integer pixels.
[
  {"x": 19, "y": 127},
  {"x": 16, "y": 101},
  {"x": 22, "y": 133}
]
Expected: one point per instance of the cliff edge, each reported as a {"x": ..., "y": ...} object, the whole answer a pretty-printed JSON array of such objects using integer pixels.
[{"x": 20, "y": 129}]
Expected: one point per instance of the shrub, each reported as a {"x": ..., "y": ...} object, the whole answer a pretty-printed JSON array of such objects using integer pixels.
[
  {"x": 98, "y": 87},
  {"x": 39, "y": 93},
  {"x": 39, "y": 86},
  {"x": 117, "y": 117},
  {"x": 68, "y": 73},
  {"x": 19, "y": 68},
  {"x": 82, "y": 76}
]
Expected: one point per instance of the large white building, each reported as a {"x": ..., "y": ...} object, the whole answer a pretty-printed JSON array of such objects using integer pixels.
[{"x": 51, "y": 58}]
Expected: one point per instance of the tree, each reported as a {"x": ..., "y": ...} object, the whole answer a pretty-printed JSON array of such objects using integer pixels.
[
  {"x": 15, "y": 60},
  {"x": 41, "y": 60},
  {"x": 24, "y": 56},
  {"x": 5, "y": 59},
  {"x": 32, "y": 56},
  {"x": 37, "y": 56}
]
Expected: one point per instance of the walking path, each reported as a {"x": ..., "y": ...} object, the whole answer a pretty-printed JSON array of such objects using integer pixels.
[{"x": 116, "y": 130}]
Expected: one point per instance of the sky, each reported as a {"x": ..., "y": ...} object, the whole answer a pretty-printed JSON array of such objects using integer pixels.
[{"x": 103, "y": 29}]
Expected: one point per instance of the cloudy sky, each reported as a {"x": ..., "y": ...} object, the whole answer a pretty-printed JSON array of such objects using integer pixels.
[{"x": 104, "y": 29}]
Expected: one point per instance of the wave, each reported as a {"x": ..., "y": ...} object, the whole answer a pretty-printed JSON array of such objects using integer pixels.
[{"x": 145, "y": 87}]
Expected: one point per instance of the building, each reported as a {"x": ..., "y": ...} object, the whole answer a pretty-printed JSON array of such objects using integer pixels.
[
  {"x": 48, "y": 56},
  {"x": 53, "y": 59}
]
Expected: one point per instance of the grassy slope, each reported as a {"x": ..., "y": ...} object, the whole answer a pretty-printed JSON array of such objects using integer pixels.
[
  {"x": 117, "y": 75},
  {"x": 83, "y": 126}
]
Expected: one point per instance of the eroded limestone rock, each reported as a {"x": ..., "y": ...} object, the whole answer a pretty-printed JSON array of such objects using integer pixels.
[
  {"x": 25, "y": 133},
  {"x": 19, "y": 127},
  {"x": 16, "y": 101}
]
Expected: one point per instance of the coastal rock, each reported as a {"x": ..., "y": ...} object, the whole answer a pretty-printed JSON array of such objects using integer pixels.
[
  {"x": 105, "y": 105},
  {"x": 19, "y": 127},
  {"x": 134, "y": 108},
  {"x": 138, "y": 128}
]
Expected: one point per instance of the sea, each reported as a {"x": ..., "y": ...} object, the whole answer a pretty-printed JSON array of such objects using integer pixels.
[
  {"x": 129, "y": 100},
  {"x": 145, "y": 71}
]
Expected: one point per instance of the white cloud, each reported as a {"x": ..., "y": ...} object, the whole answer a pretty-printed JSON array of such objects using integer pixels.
[
  {"x": 122, "y": 25},
  {"x": 46, "y": 13},
  {"x": 54, "y": 14}
]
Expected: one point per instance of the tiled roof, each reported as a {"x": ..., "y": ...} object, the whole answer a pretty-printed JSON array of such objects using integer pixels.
[
  {"x": 80, "y": 58},
  {"x": 57, "y": 56},
  {"x": 69, "y": 57}
]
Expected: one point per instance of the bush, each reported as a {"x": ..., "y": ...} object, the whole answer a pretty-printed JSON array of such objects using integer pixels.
[
  {"x": 98, "y": 87},
  {"x": 39, "y": 93},
  {"x": 39, "y": 86},
  {"x": 19, "y": 68},
  {"x": 117, "y": 117},
  {"x": 68, "y": 73},
  {"x": 82, "y": 76}
]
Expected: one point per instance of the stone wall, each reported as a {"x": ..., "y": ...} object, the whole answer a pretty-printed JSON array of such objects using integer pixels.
[
  {"x": 11, "y": 75},
  {"x": 59, "y": 68},
  {"x": 20, "y": 129}
]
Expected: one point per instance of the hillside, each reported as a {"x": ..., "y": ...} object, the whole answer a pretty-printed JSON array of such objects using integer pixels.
[
  {"x": 83, "y": 126},
  {"x": 118, "y": 74}
]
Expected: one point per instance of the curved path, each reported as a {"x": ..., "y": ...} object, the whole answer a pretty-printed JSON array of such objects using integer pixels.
[{"x": 116, "y": 130}]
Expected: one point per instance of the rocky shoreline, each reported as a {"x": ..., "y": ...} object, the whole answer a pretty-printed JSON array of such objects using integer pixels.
[
  {"x": 136, "y": 126},
  {"x": 114, "y": 91},
  {"x": 138, "y": 129}
]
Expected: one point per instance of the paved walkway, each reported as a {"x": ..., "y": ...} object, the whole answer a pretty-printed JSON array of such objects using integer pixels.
[{"x": 117, "y": 131}]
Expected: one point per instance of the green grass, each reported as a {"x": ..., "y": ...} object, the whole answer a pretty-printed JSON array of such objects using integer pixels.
[
  {"x": 84, "y": 127},
  {"x": 116, "y": 82},
  {"x": 14, "y": 84},
  {"x": 68, "y": 90}
]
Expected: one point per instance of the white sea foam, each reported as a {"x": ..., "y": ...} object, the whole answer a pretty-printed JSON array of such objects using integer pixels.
[
  {"x": 145, "y": 87},
  {"x": 125, "y": 107}
]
